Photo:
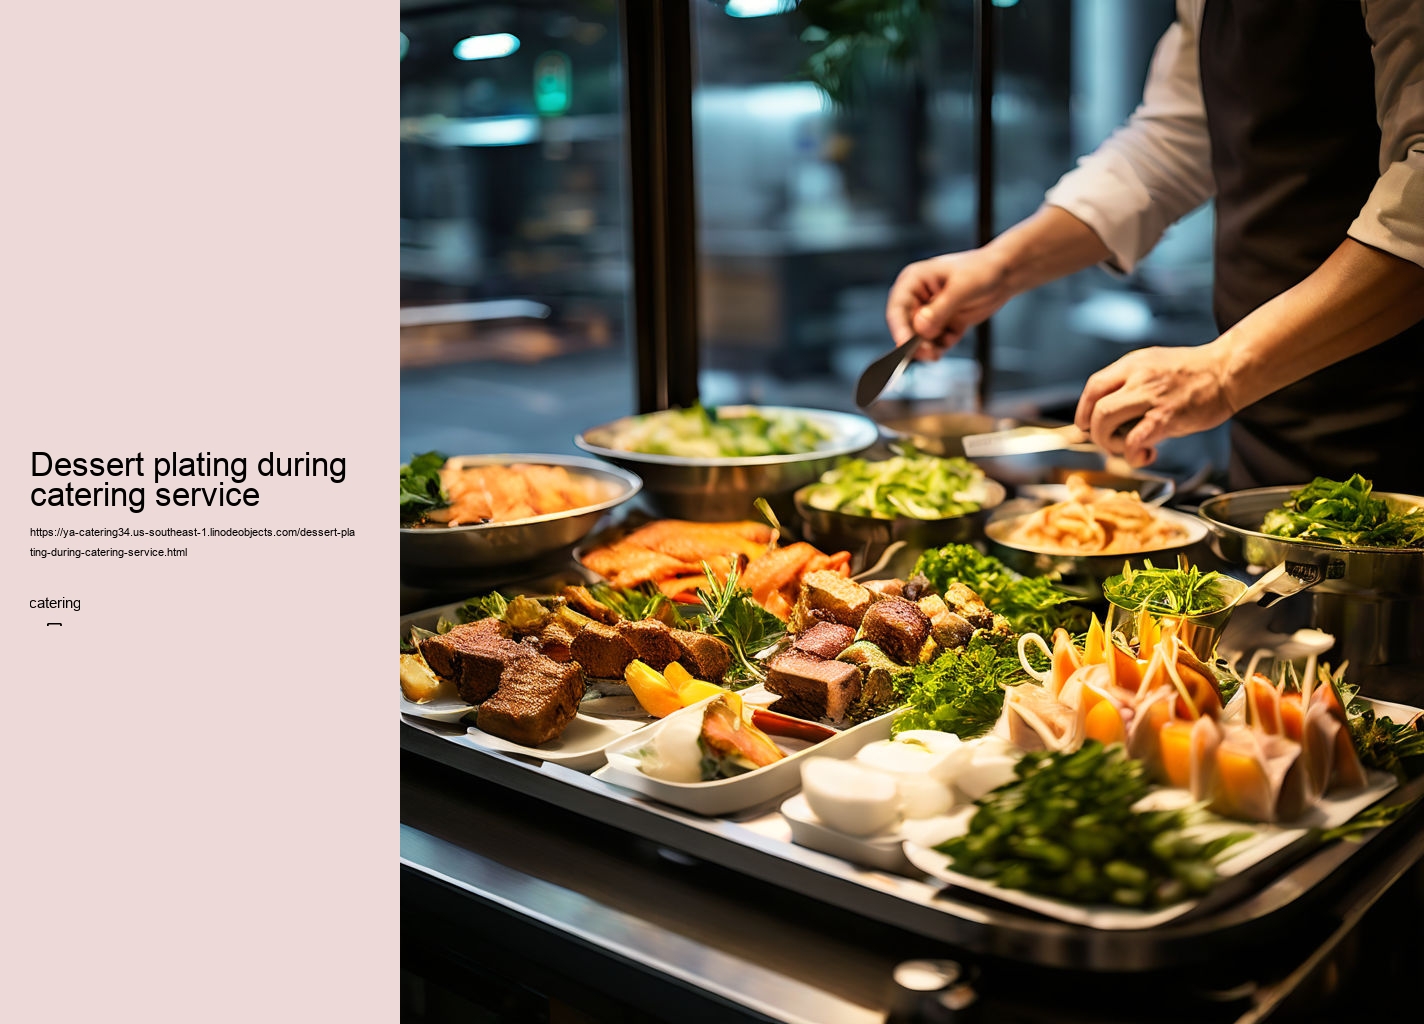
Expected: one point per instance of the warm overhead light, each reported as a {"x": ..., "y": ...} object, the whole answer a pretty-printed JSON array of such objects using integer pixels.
[
  {"x": 501, "y": 44},
  {"x": 758, "y": 8}
]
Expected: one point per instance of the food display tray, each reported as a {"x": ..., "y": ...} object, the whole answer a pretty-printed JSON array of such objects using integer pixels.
[{"x": 758, "y": 842}]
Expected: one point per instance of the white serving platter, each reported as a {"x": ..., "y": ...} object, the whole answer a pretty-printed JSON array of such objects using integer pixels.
[
  {"x": 883, "y": 850},
  {"x": 727, "y": 796}
]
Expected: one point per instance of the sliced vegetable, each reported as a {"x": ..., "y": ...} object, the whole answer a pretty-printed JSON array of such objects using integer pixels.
[
  {"x": 730, "y": 744},
  {"x": 652, "y": 689},
  {"x": 913, "y": 486},
  {"x": 1174, "y": 592}
]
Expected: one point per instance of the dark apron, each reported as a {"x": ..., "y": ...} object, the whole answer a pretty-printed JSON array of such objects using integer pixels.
[{"x": 1289, "y": 92}]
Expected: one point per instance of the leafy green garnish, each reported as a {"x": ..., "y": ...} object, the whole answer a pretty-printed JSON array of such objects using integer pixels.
[
  {"x": 1032, "y": 604},
  {"x": 1335, "y": 512},
  {"x": 420, "y": 490},
  {"x": 1066, "y": 828},
  {"x": 636, "y": 604},
  {"x": 1167, "y": 591},
  {"x": 912, "y": 486},
  {"x": 1368, "y": 820},
  {"x": 476, "y": 608},
  {"x": 1382, "y": 743},
  {"x": 734, "y": 617},
  {"x": 962, "y": 690}
]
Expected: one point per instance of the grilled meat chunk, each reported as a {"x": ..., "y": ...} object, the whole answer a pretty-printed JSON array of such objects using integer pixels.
[
  {"x": 652, "y": 642},
  {"x": 602, "y": 651},
  {"x": 879, "y": 674},
  {"x": 916, "y": 587},
  {"x": 554, "y": 641},
  {"x": 897, "y": 627},
  {"x": 830, "y": 597},
  {"x": 968, "y": 605},
  {"x": 536, "y": 700},
  {"x": 440, "y": 652},
  {"x": 479, "y": 664},
  {"x": 812, "y": 687},
  {"x": 825, "y": 639},
  {"x": 706, "y": 657},
  {"x": 881, "y": 589},
  {"x": 948, "y": 629}
]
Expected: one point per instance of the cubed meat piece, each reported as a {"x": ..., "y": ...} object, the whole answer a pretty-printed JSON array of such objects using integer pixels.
[
  {"x": 652, "y": 642},
  {"x": 811, "y": 687},
  {"x": 948, "y": 629},
  {"x": 580, "y": 600},
  {"x": 897, "y": 627},
  {"x": 536, "y": 700},
  {"x": 555, "y": 641},
  {"x": 440, "y": 652},
  {"x": 968, "y": 605},
  {"x": 480, "y": 665},
  {"x": 916, "y": 587},
  {"x": 825, "y": 639},
  {"x": 706, "y": 657},
  {"x": 831, "y": 597},
  {"x": 881, "y": 589},
  {"x": 602, "y": 651}
]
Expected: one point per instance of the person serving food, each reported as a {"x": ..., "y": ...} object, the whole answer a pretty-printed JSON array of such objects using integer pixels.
[{"x": 1306, "y": 123}]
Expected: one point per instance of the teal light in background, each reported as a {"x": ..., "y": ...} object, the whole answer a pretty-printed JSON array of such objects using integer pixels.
[
  {"x": 758, "y": 8},
  {"x": 405, "y": 45},
  {"x": 500, "y": 44},
  {"x": 553, "y": 84},
  {"x": 1003, "y": 3}
]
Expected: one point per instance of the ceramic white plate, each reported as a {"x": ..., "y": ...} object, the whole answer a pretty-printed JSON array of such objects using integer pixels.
[
  {"x": 580, "y": 746},
  {"x": 725, "y": 796},
  {"x": 436, "y": 710},
  {"x": 881, "y": 850},
  {"x": 1330, "y": 812}
]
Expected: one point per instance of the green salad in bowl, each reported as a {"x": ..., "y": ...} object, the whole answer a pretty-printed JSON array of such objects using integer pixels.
[
  {"x": 910, "y": 486},
  {"x": 700, "y": 433}
]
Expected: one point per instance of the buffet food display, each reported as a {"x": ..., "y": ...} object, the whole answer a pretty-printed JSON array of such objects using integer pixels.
[{"x": 961, "y": 722}]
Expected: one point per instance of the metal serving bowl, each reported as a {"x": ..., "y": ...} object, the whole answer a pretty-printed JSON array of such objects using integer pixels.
[
  {"x": 446, "y": 555},
  {"x": 1235, "y": 522},
  {"x": 1086, "y": 572},
  {"x": 711, "y": 490},
  {"x": 866, "y": 537}
]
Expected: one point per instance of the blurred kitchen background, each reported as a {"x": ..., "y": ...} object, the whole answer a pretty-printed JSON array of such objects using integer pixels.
[{"x": 825, "y": 161}]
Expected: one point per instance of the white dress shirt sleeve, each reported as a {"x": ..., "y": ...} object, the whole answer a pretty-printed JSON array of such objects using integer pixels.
[
  {"x": 1393, "y": 216},
  {"x": 1156, "y": 168}
]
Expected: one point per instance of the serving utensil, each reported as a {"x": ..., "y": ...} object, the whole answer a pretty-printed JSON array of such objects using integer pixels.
[
  {"x": 1030, "y": 440},
  {"x": 884, "y": 371}
]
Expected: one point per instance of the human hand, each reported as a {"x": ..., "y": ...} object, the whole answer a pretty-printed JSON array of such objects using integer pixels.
[
  {"x": 942, "y": 297},
  {"x": 1174, "y": 392}
]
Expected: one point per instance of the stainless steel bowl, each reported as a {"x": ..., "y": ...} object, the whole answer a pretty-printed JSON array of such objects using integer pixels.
[
  {"x": 710, "y": 490},
  {"x": 1235, "y": 520},
  {"x": 866, "y": 537},
  {"x": 1085, "y": 572},
  {"x": 457, "y": 555}
]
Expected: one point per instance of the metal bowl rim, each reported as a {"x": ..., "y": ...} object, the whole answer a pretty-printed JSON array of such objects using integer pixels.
[
  {"x": 632, "y": 484},
  {"x": 862, "y": 429},
  {"x": 1315, "y": 546}
]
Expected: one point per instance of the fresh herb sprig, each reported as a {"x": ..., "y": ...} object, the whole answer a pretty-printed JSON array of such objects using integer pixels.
[
  {"x": 1067, "y": 828},
  {"x": 734, "y": 617},
  {"x": 962, "y": 690},
  {"x": 637, "y": 604},
  {"x": 1344, "y": 512},
  {"x": 1179, "y": 592},
  {"x": 420, "y": 490},
  {"x": 1382, "y": 743},
  {"x": 1031, "y": 604},
  {"x": 1368, "y": 820}
]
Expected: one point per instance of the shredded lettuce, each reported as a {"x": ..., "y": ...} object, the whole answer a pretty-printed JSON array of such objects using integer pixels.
[{"x": 912, "y": 486}]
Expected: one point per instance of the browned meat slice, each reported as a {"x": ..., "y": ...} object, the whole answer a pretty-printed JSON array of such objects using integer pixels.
[
  {"x": 602, "y": 651},
  {"x": 704, "y": 656},
  {"x": 897, "y": 627},
  {"x": 536, "y": 701},
  {"x": 829, "y": 596},
  {"x": 440, "y": 652},
  {"x": 968, "y": 605},
  {"x": 652, "y": 642},
  {"x": 825, "y": 639},
  {"x": 580, "y": 600},
  {"x": 555, "y": 641},
  {"x": 881, "y": 589},
  {"x": 811, "y": 687},
  {"x": 477, "y": 662},
  {"x": 948, "y": 629}
]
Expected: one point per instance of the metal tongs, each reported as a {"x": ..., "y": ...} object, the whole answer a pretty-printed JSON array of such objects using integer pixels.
[{"x": 1031, "y": 440}]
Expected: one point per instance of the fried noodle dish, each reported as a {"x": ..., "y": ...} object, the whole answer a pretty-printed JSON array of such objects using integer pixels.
[{"x": 1094, "y": 522}]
